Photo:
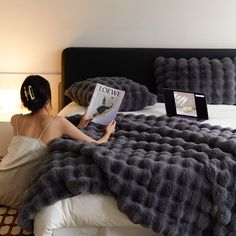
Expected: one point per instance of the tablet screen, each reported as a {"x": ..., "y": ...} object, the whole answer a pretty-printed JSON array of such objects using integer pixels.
[{"x": 185, "y": 103}]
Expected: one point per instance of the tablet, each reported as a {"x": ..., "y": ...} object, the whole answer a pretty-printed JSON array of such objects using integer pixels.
[{"x": 185, "y": 103}]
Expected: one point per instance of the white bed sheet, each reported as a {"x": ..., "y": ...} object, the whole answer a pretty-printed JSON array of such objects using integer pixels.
[
  {"x": 224, "y": 115},
  {"x": 96, "y": 214}
]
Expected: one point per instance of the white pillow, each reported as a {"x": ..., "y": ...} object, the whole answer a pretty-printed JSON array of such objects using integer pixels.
[{"x": 72, "y": 109}]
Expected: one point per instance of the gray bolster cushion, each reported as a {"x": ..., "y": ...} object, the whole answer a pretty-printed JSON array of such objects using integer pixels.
[
  {"x": 214, "y": 77},
  {"x": 136, "y": 97}
]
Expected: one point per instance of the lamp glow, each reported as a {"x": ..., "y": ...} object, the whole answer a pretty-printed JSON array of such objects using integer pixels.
[
  {"x": 9, "y": 100},
  {"x": 10, "y": 104}
]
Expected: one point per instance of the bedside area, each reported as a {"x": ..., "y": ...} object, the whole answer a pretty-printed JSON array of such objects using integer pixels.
[{"x": 6, "y": 130}]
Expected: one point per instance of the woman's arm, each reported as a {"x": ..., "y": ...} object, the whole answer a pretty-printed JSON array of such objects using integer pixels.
[
  {"x": 109, "y": 130},
  {"x": 83, "y": 122},
  {"x": 70, "y": 130}
]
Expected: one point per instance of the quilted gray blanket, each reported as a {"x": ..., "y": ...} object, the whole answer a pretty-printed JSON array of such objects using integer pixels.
[{"x": 172, "y": 175}]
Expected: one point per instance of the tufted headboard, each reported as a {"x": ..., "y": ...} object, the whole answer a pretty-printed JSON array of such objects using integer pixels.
[{"x": 80, "y": 63}]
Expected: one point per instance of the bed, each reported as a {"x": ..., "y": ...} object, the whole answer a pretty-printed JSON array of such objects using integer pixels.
[{"x": 157, "y": 175}]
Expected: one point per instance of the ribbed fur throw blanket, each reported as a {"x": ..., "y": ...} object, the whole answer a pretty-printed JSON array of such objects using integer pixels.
[{"x": 172, "y": 175}]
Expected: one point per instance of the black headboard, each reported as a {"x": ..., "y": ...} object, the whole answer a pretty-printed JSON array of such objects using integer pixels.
[{"x": 80, "y": 63}]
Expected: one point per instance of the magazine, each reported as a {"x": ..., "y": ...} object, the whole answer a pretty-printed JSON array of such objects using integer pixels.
[{"x": 104, "y": 104}]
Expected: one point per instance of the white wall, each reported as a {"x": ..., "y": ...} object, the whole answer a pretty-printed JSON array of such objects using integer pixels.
[{"x": 33, "y": 33}]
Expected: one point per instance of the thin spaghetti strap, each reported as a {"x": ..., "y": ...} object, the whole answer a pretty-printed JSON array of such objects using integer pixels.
[
  {"x": 46, "y": 127},
  {"x": 18, "y": 124}
]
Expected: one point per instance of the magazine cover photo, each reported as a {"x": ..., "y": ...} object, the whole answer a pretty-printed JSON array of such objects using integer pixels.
[{"x": 104, "y": 104}]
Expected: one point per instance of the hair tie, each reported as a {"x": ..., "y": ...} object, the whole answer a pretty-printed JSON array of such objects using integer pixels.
[{"x": 29, "y": 93}]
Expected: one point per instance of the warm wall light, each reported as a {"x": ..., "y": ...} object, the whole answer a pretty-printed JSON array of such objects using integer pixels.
[
  {"x": 9, "y": 100},
  {"x": 10, "y": 104},
  {"x": 11, "y": 84}
]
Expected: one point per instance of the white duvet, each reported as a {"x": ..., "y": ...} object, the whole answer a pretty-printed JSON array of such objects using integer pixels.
[
  {"x": 96, "y": 210},
  {"x": 82, "y": 210}
]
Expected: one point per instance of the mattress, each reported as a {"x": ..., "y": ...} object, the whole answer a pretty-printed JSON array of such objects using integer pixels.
[
  {"x": 96, "y": 214},
  {"x": 101, "y": 231}
]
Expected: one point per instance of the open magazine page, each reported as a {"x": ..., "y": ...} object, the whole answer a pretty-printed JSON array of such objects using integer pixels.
[{"x": 104, "y": 104}]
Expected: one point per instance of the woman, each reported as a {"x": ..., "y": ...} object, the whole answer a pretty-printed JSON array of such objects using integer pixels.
[{"x": 32, "y": 133}]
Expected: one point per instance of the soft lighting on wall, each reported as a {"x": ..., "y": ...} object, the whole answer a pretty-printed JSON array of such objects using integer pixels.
[
  {"x": 10, "y": 104},
  {"x": 10, "y": 85},
  {"x": 9, "y": 100}
]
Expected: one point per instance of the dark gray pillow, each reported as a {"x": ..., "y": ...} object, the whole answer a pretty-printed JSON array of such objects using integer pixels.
[
  {"x": 136, "y": 96},
  {"x": 215, "y": 77}
]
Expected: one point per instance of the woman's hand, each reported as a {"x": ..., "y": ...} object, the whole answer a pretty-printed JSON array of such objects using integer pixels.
[{"x": 110, "y": 127}]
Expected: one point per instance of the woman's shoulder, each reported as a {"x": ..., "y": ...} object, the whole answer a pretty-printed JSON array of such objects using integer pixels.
[
  {"x": 14, "y": 118},
  {"x": 59, "y": 119},
  {"x": 62, "y": 120}
]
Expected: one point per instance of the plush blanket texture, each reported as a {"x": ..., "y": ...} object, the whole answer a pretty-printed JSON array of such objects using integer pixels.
[
  {"x": 172, "y": 175},
  {"x": 215, "y": 77}
]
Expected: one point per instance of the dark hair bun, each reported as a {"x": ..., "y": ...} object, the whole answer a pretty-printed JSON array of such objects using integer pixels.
[{"x": 35, "y": 92}]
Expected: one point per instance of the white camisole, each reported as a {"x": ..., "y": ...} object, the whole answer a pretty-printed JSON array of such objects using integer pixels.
[{"x": 18, "y": 166}]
